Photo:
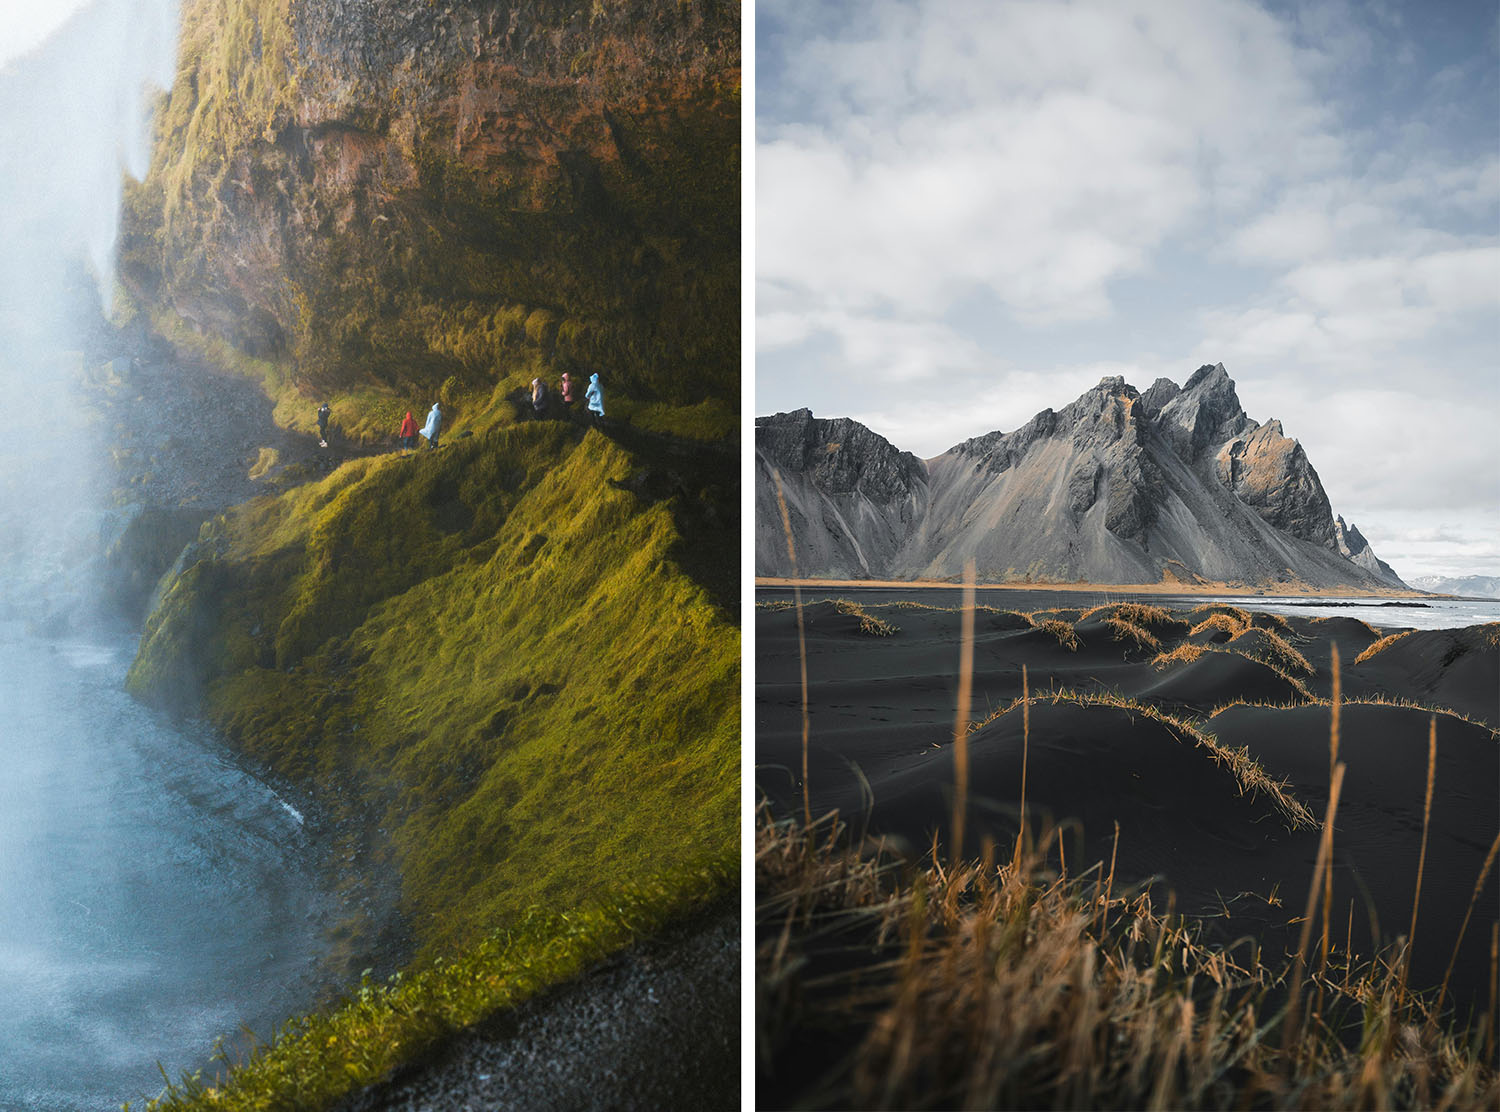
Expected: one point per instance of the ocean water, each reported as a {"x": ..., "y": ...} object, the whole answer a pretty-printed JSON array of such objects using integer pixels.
[
  {"x": 1387, "y": 615},
  {"x": 154, "y": 897}
]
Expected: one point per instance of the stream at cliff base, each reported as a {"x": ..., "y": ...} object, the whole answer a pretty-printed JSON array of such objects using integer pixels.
[{"x": 154, "y": 897}]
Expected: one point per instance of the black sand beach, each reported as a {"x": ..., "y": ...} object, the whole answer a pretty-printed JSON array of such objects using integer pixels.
[{"x": 1119, "y": 735}]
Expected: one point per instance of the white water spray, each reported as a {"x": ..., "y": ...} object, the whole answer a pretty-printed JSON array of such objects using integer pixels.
[{"x": 75, "y": 117}]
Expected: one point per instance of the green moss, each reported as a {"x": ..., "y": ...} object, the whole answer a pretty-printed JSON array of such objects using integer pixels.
[
  {"x": 497, "y": 644},
  {"x": 318, "y": 1060}
]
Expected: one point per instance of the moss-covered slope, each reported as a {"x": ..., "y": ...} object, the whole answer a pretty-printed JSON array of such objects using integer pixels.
[
  {"x": 390, "y": 203},
  {"x": 490, "y": 653}
]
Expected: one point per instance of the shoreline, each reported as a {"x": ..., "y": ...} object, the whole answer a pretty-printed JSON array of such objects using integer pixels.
[{"x": 1226, "y": 589}]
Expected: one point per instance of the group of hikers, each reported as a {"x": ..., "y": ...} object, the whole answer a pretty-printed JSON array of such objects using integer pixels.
[
  {"x": 541, "y": 402},
  {"x": 541, "y": 397}
]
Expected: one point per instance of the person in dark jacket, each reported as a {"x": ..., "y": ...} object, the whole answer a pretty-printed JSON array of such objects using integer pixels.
[
  {"x": 323, "y": 413},
  {"x": 539, "y": 398},
  {"x": 408, "y": 434}
]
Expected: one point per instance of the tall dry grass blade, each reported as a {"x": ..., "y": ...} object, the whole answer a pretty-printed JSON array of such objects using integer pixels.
[
  {"x": 1489, "y": 1032},
  {"x": 1025, "y": 756},
  {"x": 791, "y": 552},
  {"x": 961, "y": 715},
  {"x": 1484, "y": 873},
  {"x": 1494, "y": 991},
  {"x": 1416, "y": 900},
  {"x": 1333, "y": 760},
  {"x": 1325, "y": 844},
  {"x": 1109, "y": 885}
]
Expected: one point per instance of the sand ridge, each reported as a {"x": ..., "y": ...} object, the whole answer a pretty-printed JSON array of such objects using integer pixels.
[{"x": 1103, "y": 749}]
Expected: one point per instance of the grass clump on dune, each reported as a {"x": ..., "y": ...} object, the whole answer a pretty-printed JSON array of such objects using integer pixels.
[
  {"x": 1134, "y": 634},
  {"x": 1270, "y": 648},
  {"x": 1380, "y": 646},
  {"x": 1252, "y": 776},
  {"x": 1228, "y": 624},
  {"x": 488, "y": 660},
  {"x": 868, "y": 623},
  {"x": 1185, "y": 653},
  {"x": 1137, "y": 613},
  {"x": 1012, "y": 985},
  {"x": 1062, "y": 631}
]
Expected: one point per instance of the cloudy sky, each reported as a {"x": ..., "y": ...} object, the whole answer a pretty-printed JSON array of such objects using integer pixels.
[{"x": 970, "y": 211}]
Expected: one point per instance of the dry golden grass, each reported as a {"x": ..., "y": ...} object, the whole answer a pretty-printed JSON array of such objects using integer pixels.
[
  {"x": 868, "y": 623},
  {"x": 1129, "y": 631},
  {"x": 1226, "y": 622},
  {"x": 907, "y": 604},
  {"x": 1063, "y": 631},
  {"x": 1381, "y": 645},
  {"x": 1271, "y": 648},
  {"x": 1002, "y": 982},
  {"x": 1400, "y": 703},
  {"x": 1185, "y": 653},
  {"x": 1253, "y": 779},
  {"x": 1140, "y": 613},
  {"x": 1241, "y": 617}
]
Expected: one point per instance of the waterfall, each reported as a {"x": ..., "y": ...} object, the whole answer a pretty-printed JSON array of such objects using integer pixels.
[{"x": 75, "y": 118}]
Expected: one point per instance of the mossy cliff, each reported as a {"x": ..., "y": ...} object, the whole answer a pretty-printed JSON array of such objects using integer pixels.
[
  {"x": 507, "y": 670},
  {"x": 491, "y": 650},
  {"x": 390, "y": 203}
]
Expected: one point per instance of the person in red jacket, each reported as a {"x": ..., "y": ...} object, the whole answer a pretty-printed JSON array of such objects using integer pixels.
[{"x": 408, "y": 433}]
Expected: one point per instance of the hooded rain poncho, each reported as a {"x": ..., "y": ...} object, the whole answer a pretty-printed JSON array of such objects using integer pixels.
[
  {"x": 595, "y": 395},
  {"x": 434, "y": 422}
]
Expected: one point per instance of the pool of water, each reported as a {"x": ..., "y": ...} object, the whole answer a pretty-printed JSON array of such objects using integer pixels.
[{"x": 154, "y": 897}]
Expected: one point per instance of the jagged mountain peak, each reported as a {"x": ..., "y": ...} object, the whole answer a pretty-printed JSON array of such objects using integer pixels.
[
  {"x": 849, "y": 495},
  {"x": 1353, "y": 547},
  {"x": 1115, "y": 487},
  {"x": 1204, "y": 414}
]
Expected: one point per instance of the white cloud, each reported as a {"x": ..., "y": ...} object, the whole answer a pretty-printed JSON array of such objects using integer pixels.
[
  {"x": 991, "y": 201},
  {"x": 957, "y": 149}
]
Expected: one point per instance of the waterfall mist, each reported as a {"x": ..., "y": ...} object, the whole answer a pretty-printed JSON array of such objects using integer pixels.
[
  {"x": 74, "y": 118},
  {"x": 154, "y": 896}
]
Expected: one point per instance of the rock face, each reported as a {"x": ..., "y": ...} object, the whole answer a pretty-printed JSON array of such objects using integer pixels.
[
  {"x": 1353, "y": 545},
  {"x": 851, "y": 497},
  {"x": 1117, "y": 487},
  {"x": 410, "y": 200}
]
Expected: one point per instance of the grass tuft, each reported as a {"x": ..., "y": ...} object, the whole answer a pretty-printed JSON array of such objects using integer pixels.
[
  {"x": 1270, "y": 648},
  {"x": 985, "y": 985},
  {"x": 1229, "y": 623},
  {"x": 1062, "y": 631},
  {"x": 1129, "y": 631},
  {"x": 868, "y": 623}
]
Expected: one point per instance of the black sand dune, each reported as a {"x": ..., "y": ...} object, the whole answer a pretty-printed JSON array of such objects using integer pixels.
[
  {"x": 1181, "y": 811},
  {"x": 1454, "y": 668},
  {"x": 881, "y": 719},
  {"x": 1378, "y": 830},
  {"x": 1217, "y": 678}
]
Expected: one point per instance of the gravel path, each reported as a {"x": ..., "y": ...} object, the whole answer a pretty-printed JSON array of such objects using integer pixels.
[{"x": 656, "y": 1028}]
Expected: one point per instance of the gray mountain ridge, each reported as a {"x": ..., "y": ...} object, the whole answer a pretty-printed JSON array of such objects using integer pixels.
[
  {"x": 1176, "y": 484},
  {"x": 1468, "y": 586}
]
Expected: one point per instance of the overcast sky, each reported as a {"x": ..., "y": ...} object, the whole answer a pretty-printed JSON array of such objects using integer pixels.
[{"x": 968, "y": 212}]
